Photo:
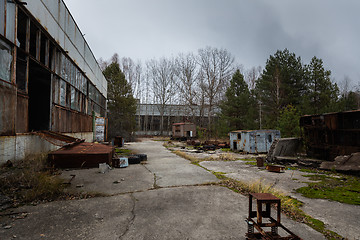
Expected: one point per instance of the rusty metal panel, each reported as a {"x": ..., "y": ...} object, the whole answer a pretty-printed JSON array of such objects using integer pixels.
[
  {"x": 22, "y": 116},
  {"x": 7, "y": 108},
  {"x": 82, "y": 155},
  {"x": 329, "y": 135},
  {"x": 65, "y": 120}
]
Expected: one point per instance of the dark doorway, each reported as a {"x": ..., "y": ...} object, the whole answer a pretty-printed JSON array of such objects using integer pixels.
[
  {"x": 39, "y": 97},
  {"x": 234, "y": 145}
]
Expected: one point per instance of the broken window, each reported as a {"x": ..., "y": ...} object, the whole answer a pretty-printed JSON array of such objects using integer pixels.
[
  {"x": 58, "y": 63},
  {"x": 21, "y": 70},
  {"x": 56, "y": 90},
  {"x": 5, "y": 61},
  {"x": 63, "y": 66},
  {"x": 44, "y": 49},
  {"x": 51, "y": 64},
  {"x": 73, "y": 98},
  {"x": 62, "y": 93},
  {"x": 22, "y": 29},
  {"x": 2, "y": 17},
  {"x": 68, "y": 95},
  {"x": 33, "y": 39},
  {"x": 10, "y": 20}
]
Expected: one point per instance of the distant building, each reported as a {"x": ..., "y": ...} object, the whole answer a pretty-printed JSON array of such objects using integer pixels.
[
  {"x": 153, "y": 119},
  {"x": 184, "y": 130},
  {"x": 253, "y": 141},
  {"x": 49, "y": 78}
]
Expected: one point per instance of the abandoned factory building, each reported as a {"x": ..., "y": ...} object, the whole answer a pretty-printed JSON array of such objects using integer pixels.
[
  {"x": 49, "y": 78},
  {"x": 157, "y": 119}
]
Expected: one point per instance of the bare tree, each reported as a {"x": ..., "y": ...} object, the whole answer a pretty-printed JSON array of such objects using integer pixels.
[
  {"x": 252, "y": 75},
  {"x": 161, "y": 73},
  {"x": 187, "y": 71},
  {"x": 344, "y": 86},
  {"x": 133, "y": 74},
  {"x": 216, "y": 70}
]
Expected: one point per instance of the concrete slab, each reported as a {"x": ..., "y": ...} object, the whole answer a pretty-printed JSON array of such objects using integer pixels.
[
  {"x": 131, "y": 179},
  {"x": 338, "y": 217},
  {"x": 204, "y": 212},
  {"x": 201, "y": 212},
  {"x": 169, "y": 169},
  {"x": 97, "y": 218}
]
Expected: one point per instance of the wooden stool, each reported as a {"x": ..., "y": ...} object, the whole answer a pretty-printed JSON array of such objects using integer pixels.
[{"x": 267, "y": 199}]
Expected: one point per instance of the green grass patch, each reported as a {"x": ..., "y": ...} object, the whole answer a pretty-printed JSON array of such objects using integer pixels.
[
  {"x": 226, "y": 149},
  {"x": 248, "y": 159},
  {"x": 123, "y": 151},
  {"x": 340, "y": 188}
]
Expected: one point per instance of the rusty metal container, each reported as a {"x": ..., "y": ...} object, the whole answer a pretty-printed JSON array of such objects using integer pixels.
[
  {"x": 119, "y": 141},
  {"x": 82, "y": 155}
]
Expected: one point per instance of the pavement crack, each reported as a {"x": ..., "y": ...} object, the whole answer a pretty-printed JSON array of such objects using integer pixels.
[
  {"x": 155, "y": 186},
  {"x": 132, "y": 219}
]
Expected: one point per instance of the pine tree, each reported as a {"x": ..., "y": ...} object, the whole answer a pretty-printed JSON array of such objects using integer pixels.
[
  {"x": 322, "y": 94},
  {"x": 281, "y": 84},
  {"x": 236, "y": 109},
  {"x": 121, "y": 103}
]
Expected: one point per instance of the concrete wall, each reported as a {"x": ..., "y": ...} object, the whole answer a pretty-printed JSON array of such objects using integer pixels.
[
  {"x": 88, "y": 136},
  {"x": 19, "y": 147}
]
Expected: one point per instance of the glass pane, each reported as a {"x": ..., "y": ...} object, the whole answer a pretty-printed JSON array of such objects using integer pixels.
[
  {"x": 62, "y": 93},
  {"x": 73, "y": 101},
  {"x": 5, "y": 61},
  {"x": 56, "y": 90},
  {"x": 2, "y": 16},
  {"x": 10, "y": 21}
]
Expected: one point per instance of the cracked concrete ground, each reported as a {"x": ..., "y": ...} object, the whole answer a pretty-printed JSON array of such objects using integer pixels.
[
  {"x": 168, "y": 198},
  {"x": 339, "y": 217}
]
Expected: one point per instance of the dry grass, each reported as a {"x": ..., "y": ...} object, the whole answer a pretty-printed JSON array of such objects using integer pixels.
[
  {"x": 192, "y": 159},
  {"x": 30, "y": 180},
  {"x": 221, "y": 157}
]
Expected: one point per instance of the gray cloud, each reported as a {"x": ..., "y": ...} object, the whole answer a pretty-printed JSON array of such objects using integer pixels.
[{"x": 251, "y": 30}]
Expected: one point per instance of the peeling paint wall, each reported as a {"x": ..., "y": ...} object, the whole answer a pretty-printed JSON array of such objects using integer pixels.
[{"x": 254, "y": 141}]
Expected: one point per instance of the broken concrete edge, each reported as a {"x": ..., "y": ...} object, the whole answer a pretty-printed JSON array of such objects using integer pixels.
[
  {"x": 346, "y": 164},
  {"x": 294, "y": 212}
]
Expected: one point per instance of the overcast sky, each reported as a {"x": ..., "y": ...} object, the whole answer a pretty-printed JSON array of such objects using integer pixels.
[{"x": 251, "y": 30}]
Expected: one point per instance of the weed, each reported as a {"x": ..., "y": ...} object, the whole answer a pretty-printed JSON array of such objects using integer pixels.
[
  {"x": 340, "y": 188},
  {"x": 30, "y": 180},
  {"x": 186, "y": 156},
  {"x": 226, "y": 149},
  {"x": 123, "y": 151}
]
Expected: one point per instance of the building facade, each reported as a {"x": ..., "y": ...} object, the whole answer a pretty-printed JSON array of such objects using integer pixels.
[
  {"x": 155, "y": 119},
  {"x": 49, "y": 78}
]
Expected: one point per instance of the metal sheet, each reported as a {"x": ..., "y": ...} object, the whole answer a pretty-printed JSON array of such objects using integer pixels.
[{"x": 82, "y": 155}]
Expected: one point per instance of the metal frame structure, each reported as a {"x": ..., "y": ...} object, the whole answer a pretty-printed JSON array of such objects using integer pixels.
[{"x": 259, "y": 224}]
